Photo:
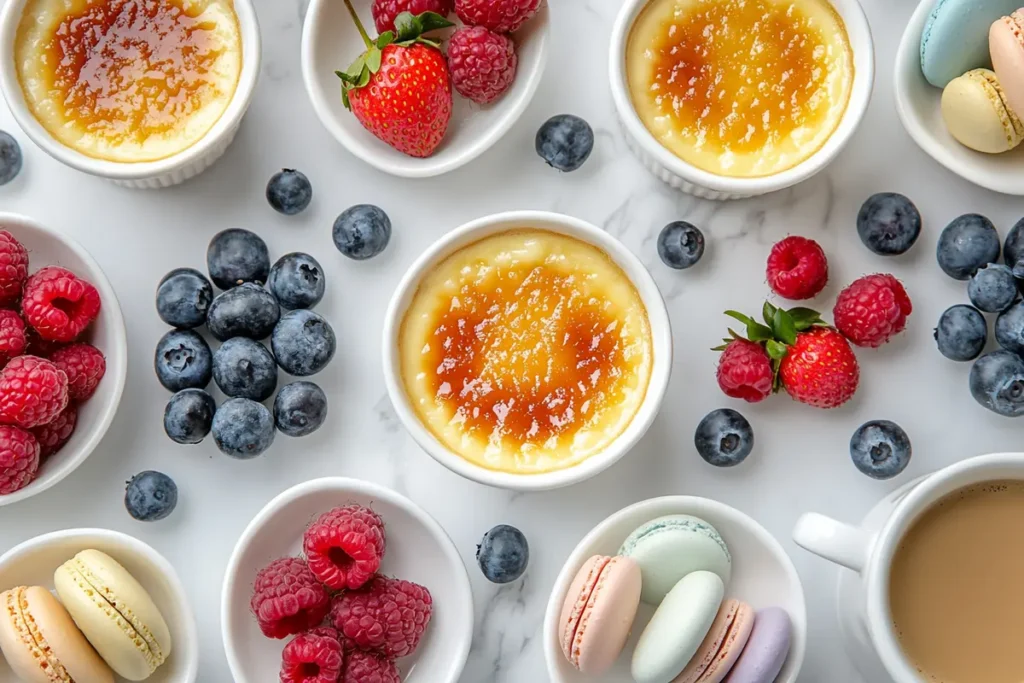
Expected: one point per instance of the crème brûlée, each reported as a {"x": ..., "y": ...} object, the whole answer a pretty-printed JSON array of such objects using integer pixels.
[
  {"x": 740, "y": 88},
  {"x": 526, "y": 352},
  {"x": 128, "y": 80}
]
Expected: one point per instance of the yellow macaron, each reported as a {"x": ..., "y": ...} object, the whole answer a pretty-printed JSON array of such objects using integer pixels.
[{"x": 976, "y": 113}]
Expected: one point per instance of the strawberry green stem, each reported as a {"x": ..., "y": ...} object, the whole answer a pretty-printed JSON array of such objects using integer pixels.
[{"x": 359, "y": 24}]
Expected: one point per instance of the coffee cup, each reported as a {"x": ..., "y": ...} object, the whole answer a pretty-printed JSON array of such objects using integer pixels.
[{"x": 869, "y": 549}]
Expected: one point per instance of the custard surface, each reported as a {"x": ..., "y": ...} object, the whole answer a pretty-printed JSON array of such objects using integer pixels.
[
  {"x": 526, "y": 352},
  {"x": 128, "y": 80},
  {"x": 740, "y": 88}
]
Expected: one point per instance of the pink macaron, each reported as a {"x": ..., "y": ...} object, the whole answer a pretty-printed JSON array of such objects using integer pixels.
[
  {"x": 1006, "y": 46},
  {"x": 598, "y": 612},
  {"x": 722, "y": 646}
]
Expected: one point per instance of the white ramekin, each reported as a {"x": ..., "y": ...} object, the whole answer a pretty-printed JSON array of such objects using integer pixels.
[
  {"x": 692, "y": 180},
  {"x": 144, "y": 175},
  {"x": 661, "y": 339}
]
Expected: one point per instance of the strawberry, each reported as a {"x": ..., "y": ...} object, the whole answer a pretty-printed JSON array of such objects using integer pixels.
[{"x": 400, "y": 88}]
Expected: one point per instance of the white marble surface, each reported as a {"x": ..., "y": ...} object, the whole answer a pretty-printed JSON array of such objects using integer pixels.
[{"x": 801, "y": 461}]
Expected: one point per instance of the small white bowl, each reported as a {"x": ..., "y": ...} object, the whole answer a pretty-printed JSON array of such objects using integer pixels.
[
  {"x": 150, "y": 174},
  {"x": 677, "y": 173},
  {"x": 762, "y": 575},
  {"x": 418, "y": 550},
  {"x": 330, "y": 43},
  {"x": 33, "y": 563},
  {"x": 48, "y": 247},
  {"x": 919, "y": 107},
  {"x": 661, "y": 340}
]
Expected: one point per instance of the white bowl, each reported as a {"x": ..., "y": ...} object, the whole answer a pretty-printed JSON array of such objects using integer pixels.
[
  {"x": 46, "y": 247},
  {"x": 418, "y": 550},
  {"x": 657, "y": 314},
  {"x": 919, "y": 107},
  {"x": 692, "y": 180},
  {"x": 762, "y": 575},
  {"x": 33, "y": 562},
  {"x": 330, "y": 43},
  {"x": 144, "y": 175}
]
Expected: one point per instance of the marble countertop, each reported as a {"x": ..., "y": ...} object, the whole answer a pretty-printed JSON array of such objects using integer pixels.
[{"x": 801, "y": 461}]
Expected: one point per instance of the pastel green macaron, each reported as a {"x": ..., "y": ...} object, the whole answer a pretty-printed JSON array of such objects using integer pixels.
[{"x": 668, "y": 548}]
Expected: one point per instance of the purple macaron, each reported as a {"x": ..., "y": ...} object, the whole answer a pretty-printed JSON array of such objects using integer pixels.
[{"x": 766, "y": 650}]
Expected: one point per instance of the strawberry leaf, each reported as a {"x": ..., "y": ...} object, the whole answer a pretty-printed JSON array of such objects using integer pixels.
[
  {"x": 385, "y": 39},
  {"x": 804, "y": 318},
  {"x": 756, "y": 332},
  {"x": 776, "y": 351},
  {"x": 768, "y": 313},
  {"x": 739, "y": 316},
  {"x": 411, "y": 28},
  {"x": 373, "y": 59},
  {"x": 719, "y": 348},
  {"x": 783, "y": 327}
]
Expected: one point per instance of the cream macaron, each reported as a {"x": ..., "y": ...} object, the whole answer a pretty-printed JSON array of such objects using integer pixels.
[
  {"x": 115, "y": 613},
  {"x": 977, "y": 114}
]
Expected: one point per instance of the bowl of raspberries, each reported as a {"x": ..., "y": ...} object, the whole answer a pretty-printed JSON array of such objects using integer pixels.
[
  {"x": 343, "y": 581},
  {"x": 63, "y": 357}
]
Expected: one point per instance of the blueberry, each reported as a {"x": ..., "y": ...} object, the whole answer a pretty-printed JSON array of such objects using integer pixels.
[
  {"x": 880, "y": 449},
  {"x": 1013, "y": 249},
  {"x": 289, "y": 192},
  {"x": 183, "y": 360},
  {"x": 503, "y": 554},
  {"x": 243, "y": 429},
  {"x": 236, "y": 256},
  {"x": 362, "y": 231},
  {"x": 680, "y": 245},
  {"x": 244, "y": 368},
  {"x": 183, "y": 298},
  {"x": 300, "y": 408},
  {"x": 189, "y": 415},
  {"x": 10, "y": 158},
  {"x": 150, "y": 496},
  {"x": 297, "y": 280},
  {"x": 961, "y": 333},
  {"x": 303, "y": 343},
  {"x": 1009, "y": 328},
  {"x": 993, "y": 288},
  {"x": 888, "y": 223},
  {"x": 247, "y": 310},
  {"x": 565, "y": 142},
  {"x": 724, "y": 438},
  {"x": 967, "y": 244},
  {"x": 997, "y": 382}
]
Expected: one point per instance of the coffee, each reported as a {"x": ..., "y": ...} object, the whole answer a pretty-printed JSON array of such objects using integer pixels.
[{"x": 956, "y": 587}]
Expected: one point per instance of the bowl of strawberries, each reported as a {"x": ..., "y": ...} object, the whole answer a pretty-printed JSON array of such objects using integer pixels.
[
  {"x": 418, "y": 88},
  {"x": 63, "y": 356}
]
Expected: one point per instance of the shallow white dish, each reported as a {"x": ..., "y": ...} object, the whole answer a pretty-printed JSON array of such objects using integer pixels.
[
  {"x": 418, "y": 550},
  {"x": 918, "y": 104},
  {"x": 692, "y": 180},
  {"x": 762, "y": 575},
  {"x": 33, "y": 562},
  {"x": 46, "y": 247},
  {"x": 144, "y": 175},
  {"x": 330, "y": 43}
]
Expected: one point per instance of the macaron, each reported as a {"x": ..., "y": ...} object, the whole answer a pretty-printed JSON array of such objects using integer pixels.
[
  {"x": 598, "y": 612},
  {"x": 115, "y": 613},
  {"x": 954, "y": 39},
  {"x": 722, "y": 646},
  {"x": 678, "y": 628},
  {"x": 669, "y": 548},
  {"x": 1006, "y": 46},
  {"x": 42, "y": 645},
  {"x": 976, "y": 113},
  {"x": 766, "y": 650}
]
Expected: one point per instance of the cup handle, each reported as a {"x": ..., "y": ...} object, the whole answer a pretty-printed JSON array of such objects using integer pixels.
[{"x": 843, "y": 544}]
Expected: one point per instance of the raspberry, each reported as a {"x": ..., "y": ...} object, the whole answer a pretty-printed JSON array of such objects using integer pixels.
[
  {"x": 12, "y": 335},
  {"x": 344, "y": 546},
  {"x": 745, "y": 371},
  {"x": 500, "y": 16},
  {"x": 367, "y": 667},
  {"x": 313, "y": 657},
  {"x": 32, "y": 392},
  {"x": 872, "y": 310},
  {"x": 84, "y": 365},
  {"x": 483, "y": 63},
  {"x": 53, "y": 436},
  {"x": 385, "y": 11},
  {"x": 287, "y": 598},
  {"x": 59, "y": 304},
  {"x": 19, "y": 459},
  {"x": 797, "y": 268},
  {"x": 387, "y": 616},
  {"x": 13, "y": 267}
]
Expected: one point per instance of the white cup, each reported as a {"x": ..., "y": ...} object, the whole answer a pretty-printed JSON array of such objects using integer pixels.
[{"x": 869, "y": 550}]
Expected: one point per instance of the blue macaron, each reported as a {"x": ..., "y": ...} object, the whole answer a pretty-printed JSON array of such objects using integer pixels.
[{"x": 955, "y": 37}]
